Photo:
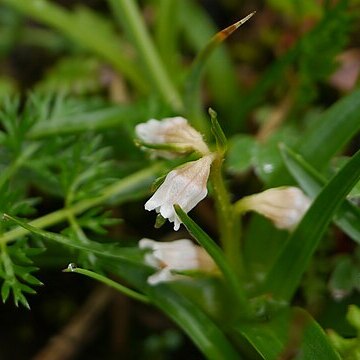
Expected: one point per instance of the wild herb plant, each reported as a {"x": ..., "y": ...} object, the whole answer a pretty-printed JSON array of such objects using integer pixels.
[{"x": 244, "y": 287}]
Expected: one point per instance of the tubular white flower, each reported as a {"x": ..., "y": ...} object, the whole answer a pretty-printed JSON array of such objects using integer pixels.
[
  {"x": 178, "y": 255},
  {"x": 284, "y": 206},
  {"x": 175, "y": 132},
  {"x": 185, "y": 186}
]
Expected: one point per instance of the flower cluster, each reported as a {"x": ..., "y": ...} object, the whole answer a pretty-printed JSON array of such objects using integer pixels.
[{"x": 187, "y": 184}]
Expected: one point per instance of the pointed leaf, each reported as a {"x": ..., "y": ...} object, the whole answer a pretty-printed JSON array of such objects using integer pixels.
[
  {"x": 5, "y": 291},
  {"x": 105, "y": 250},
  {"x": 285, "y": 275},
  {"x": 290, "y": 334},
  {"x": 336, "y": 126},
  {"x": 348, "y": 215},
  {"x": 216, "y": 253},
  {"x": 207, "y": 336}
]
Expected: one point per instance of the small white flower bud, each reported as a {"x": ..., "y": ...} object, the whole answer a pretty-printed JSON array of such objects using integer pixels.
[
  {"x": 174, "y": 132},
  {"x": 185, "y": 186},
  {"x": 178, "y": 255},
  {"x": 284, "y": 206}
]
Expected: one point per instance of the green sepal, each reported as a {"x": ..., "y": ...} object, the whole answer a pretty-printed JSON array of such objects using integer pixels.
[
  {"x": 221, "y": 141},
  {"x": 159, "y": 222}
]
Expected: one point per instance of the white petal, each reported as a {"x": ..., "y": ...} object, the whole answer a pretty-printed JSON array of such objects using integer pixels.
[
  {"x": 163, "y": 275},
  {"x": 146, "y": 243},
  {"x": 177, "y": 255},
  {"x": 284, "y": 206},
  {"x": 175, "y": 131},
  {"x": 186, "y": 186}
]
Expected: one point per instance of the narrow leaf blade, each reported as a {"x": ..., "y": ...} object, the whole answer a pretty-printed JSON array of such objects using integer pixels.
[
  {"x": 285, "y": 275},
  {"x": 348, "y": 215}
]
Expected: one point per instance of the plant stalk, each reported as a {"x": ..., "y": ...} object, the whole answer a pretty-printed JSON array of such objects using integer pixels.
[
  {"x": 113, "y": 284},
  {"x": 229, "y": 225},
  {"x": 123, "y": 186}
]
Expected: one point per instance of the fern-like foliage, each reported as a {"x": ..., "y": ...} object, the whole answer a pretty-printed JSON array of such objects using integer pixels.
[
  {"x": 78, "y": 75},
  {"x": 16, "y": 267},
  {"x": 16, "y": 270},
  {"x": 72, "y": 167}
]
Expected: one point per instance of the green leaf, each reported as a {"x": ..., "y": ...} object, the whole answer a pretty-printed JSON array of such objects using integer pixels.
[
  {"x": 285, "y": 275},
  {"x": 193, "y": 81},
  {"x": 16, "y": 273},
  {"x": 198, "y": 28},
  {"x": 240, "y": 154},
  {"x": 334, "y": 129},
  {"x": 216, "y": 253},
  {"x": 206, "y": 335},
  {"x": 109, "y": 282},
  {"x": 106, "y": 250},
  {"x": 353, "y": 317},
  {"x": 86, "y": 120},
  {"x": 348, "y": 215},
  {"x": 220, "y": 138},
  {"x": 290, "y": 334},
  {"x": 5, "y": 291},
  {"x": 349, "y": 348},
  {"x": 119, "y": 191},
  {"x": 266, "y": 156},
  {"x": 344, "y": 278}
]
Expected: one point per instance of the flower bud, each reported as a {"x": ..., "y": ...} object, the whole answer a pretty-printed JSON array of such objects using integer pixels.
[
  {"x": 185, "y": 186},
  {"x": 178, "y": 255},
  {"x": 174, "y": 134},
  {"x": 284, "y": 206}
]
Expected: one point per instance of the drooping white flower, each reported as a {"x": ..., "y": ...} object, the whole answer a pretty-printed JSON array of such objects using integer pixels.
[
  {"x": 175, "y": 132},
  {"x": 185, "y": 186},
  {"x": 284, "y": 206},
  {"x": 178, "y": 255}
]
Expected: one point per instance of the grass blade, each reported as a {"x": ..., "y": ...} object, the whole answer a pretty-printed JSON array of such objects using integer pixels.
[
  {"x": 332, "y": 132},
  {"x": 285, "y": 275},
  {"x": 215, "y": 252},
  {"x": 105, "y": 250},
  {"x": 291, "y": 330},
  {"x": 348, "y": 215},
  {"x": 201, "y": 329}
]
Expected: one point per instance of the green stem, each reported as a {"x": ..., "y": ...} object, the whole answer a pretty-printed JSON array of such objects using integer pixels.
[
  {"x": 122, "y": 187},
  {"x": 230, "y": 276},
  {"x": 113, "y": 284},
  {"x": 229, "y": 225},
  {"x": 243, "y": 205},
  {"x": 129, "y": 15}
]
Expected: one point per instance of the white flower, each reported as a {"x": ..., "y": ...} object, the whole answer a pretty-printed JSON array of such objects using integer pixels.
[
  {"x": 284, "y": 206},
  {"x": 175, "y": 132},
  {"x": 185, "y": 186},
  {"x": 178, "y": 255}
]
